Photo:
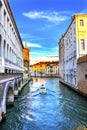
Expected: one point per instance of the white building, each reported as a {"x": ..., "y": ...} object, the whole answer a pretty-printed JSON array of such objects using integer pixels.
[
  {"x": 11, "y": 59},
  {"x": 52, "y": 69},
  {"x": 70, "y": 54},
  {"x": 61, "y": 58},
  {"x": 72, "y": 46}
]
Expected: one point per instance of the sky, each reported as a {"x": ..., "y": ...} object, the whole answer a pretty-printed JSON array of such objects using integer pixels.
[{"x": 42, "y": 22}]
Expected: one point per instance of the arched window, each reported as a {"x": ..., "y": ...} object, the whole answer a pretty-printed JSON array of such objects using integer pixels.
[
  {"x": 0, "y": 11},
  {"x": 10, "y": 54},
  {"x": 7, "y": 51},
  {"x": 4, "y": 50}
]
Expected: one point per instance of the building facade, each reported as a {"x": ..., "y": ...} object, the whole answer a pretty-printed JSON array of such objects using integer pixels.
[
  {"x": 26, "y": 58},
  {"x": 52, "y": 69},
  {"x": 45, "y": 69},
  {"x": 72, "y": 46},
  {"x": 82, "y": 72},
  {"x": 39, "y": 69},
  {"x": 11, "y": 47},
  {"x": 61, "y": 58}
]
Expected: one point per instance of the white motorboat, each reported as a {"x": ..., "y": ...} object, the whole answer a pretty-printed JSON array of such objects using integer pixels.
[{"x": 42, "y": 89}]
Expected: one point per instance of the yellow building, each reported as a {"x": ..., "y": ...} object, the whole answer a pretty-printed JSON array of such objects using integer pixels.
[
  {"x": 81, "y": 33},
  {"x": 26, "y": 58},
  {"x": 39, "y": 68}
]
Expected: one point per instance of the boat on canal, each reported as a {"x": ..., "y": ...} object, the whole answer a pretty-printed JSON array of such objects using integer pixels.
[{"x": 42, "y": 89}]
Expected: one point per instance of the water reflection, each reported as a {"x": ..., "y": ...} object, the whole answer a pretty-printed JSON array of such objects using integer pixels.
[
  {"x": 59, "y": 109},
  {"x": 73, "y": 107}
]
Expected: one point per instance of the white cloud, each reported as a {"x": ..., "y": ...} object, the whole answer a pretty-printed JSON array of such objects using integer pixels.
[
  {"x": 35, "y": 53},
  {"x": 54, "y": 48},
  {"x": 32, "y": 45},
  {"x": 50, "y": 16}
]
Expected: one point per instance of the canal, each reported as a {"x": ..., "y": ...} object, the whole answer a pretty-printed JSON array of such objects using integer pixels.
[{"x": 59, "y": 109}]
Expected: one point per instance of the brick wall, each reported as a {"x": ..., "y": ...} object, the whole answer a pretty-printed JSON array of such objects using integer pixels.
[{"x": 82, "y": 76}]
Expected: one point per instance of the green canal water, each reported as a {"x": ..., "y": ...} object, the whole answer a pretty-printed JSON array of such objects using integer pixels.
[{"x": 59, "y": 109}]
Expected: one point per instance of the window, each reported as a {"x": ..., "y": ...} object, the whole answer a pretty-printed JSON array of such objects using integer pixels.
[
  {"x": 82, "y": 44},
  {"x": 81, "y": 22},
  {"x": 86, "y": 76},
  {"x": 51, "y": 66},
  {"x": 4, "y": 18},
  {"x": 51, "y": 71},
  {"x": 0, "y": 11},
  {"x": 7, "y": 24}
]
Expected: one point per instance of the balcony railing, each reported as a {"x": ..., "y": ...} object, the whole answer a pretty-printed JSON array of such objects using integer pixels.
[{"x": 6, "y": 63}]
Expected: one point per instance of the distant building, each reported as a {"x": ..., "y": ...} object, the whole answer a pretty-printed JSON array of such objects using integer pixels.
[
  {"x": 32, "y": 72},
  {"x": 72, "y": 46},
  {"x": 26, "y": 58},
  {"x": 45, "y": 69},
  {"x": 11, "y": 47},
  {"x": 52, "y": 69},
  {"x": 39, "y": 69},
  {"x": 61, "y": 58}
]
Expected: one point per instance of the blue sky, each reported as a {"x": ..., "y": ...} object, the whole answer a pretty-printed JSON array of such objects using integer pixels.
[{"x": 42, "y": 22}]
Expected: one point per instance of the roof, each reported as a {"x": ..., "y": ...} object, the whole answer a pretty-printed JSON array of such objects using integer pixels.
[
  {"x": 13, "y": 20},
  {"x": 82, "y": 59},
  {"x": 47, "y": 63}
]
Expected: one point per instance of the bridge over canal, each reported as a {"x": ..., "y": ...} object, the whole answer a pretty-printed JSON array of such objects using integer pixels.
[{"x": 9, "y": 90}]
